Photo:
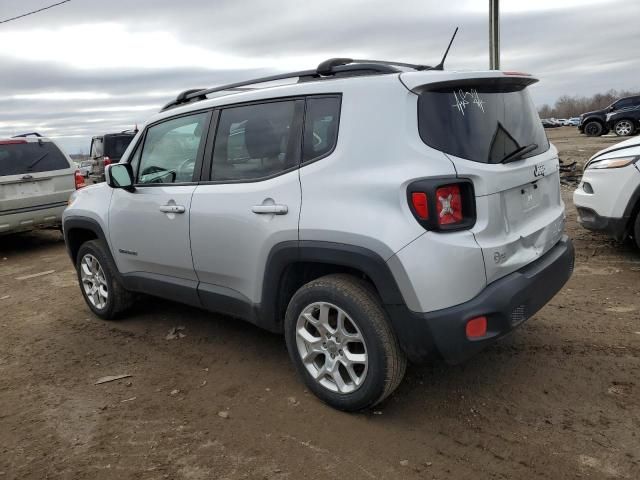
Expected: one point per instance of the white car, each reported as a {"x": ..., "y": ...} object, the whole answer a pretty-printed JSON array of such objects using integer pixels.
[
  {"x": 372, "y": 212},
  {"x": 608, "y": 197},
  {"x": 36, "y": 180}
]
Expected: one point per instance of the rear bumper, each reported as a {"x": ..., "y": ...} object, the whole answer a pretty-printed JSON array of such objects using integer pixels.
[
  {"x": 507, "y": 303},
  {"x": 28, "y": 218},
  {"x": 614, "y": 227}
]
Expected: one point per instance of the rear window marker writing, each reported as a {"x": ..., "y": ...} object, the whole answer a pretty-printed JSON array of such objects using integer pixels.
[{"x": 461, "y": 100}]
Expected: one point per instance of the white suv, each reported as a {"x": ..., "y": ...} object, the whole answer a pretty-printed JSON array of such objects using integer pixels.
[
  {"x": 608, "y": 197},
  {"x": 370, "y": 211},
  {"x": 36, "y": 180}
]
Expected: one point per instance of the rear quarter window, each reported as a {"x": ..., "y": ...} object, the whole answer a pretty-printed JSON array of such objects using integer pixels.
[
  {"x": 32, "y": 157},
  {"x": 321, "y": 123},
  {"x": 482, "y": 123}
]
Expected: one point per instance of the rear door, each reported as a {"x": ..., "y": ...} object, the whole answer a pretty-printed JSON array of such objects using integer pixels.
[
  {"x": 491, "y": 132},
  {"x": 250, "y": 204},
  {"x": 34, "y": 174}
]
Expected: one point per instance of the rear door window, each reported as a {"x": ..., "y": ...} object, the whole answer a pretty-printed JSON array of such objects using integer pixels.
[
  {"x": 32, "y": 157},
  {"x": 482, "y": 123},
  {"x": 257, "y": 141}
]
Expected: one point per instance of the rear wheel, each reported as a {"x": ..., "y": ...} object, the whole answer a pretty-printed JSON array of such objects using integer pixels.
[
  {"x": 624, "y": 128},
  {"x": 100, "y": 287},
  {"x": 342, "y": 344},
  {"x": 593, "y": 129}
]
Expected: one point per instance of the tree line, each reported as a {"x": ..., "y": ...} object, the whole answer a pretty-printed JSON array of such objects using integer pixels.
[{"x": 568, "y": 106}]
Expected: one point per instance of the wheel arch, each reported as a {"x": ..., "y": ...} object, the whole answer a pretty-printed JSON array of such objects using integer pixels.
[
  {"x": 78, "y": 230},
  {"x": 292, "y": 264}
]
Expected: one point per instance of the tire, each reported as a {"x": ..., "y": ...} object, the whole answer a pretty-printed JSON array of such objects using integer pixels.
[
  {"x": 93, "y": 262},
  {"x": 624, "y": 128},
  {"x": 593, "y": 129},
  {"x": 366, "y": 342},
  {"x": 636, "y": 230}
]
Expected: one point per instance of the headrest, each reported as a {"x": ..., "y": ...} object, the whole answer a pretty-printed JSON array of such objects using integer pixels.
[{"x": 261, "y": 139}]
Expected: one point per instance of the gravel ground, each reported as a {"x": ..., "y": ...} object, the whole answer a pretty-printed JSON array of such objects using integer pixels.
[{"x": 559, "y": 398}]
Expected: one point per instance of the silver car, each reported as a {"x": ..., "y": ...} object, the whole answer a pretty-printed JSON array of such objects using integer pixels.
[
  {"x": 371, "y": 212},
  {"x": 36, "y": 180}
]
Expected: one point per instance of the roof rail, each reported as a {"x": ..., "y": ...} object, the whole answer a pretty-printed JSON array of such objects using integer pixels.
[
  {"x": 24, "y": 135},
  {"x": 331, "y": 68}
]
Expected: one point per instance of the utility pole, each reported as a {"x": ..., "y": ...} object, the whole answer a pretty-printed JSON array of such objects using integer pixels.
[{"x": 494, "y": 34}]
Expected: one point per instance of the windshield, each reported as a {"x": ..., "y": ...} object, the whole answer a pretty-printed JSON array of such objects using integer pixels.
[
  {"x": 482, "y": 123},
  {"x": 33, "y": 157}
]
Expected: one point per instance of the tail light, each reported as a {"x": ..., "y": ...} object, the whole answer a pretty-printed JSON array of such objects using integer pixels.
[
  {"x": 13, "y": 141},
  {"x": 79, "y": 178},
  {"x": 443, "y": 204},
  {"x": 106, "y": 160}
]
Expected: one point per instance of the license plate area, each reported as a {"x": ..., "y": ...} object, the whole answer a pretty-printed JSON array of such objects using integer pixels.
[{"x": 530, "y": 197}]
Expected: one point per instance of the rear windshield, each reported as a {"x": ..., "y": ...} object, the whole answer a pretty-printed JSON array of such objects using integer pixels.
[
  {"x": 482, "y": 123},
  {"x": 115, "y": 146},
  {"x": 24, "y": 158}
]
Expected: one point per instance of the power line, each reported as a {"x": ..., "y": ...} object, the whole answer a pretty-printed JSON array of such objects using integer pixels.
[{"x": 34, "y": 11}]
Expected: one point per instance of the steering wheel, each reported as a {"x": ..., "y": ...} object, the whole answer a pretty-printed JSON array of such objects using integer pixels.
[{"x": 184, "y": 172}]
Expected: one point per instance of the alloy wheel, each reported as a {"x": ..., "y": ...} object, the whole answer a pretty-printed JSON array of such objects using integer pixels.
[
  {"x": 624, "y": 128},
  {"x": 332, "y": 347},
  {"x": 94, "y": 281}
]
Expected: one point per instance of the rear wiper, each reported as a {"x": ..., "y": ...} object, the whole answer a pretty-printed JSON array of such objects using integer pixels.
[
  {"x": 519, "y": 153},
  {"x": 34, "y": 163}
]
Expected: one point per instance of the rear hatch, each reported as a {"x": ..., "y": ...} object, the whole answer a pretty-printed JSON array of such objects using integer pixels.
[
  {"x": 110, "y": 147},
  {"x": 488, "y": 127},
  {"x": 33, "y": 173}
]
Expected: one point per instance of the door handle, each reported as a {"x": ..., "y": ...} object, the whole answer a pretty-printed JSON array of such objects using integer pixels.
[
  {"x": 172, "y": 209},
  {"x": 274, "y": 209}
]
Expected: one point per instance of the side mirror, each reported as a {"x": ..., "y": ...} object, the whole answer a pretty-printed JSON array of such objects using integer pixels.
[
  {"x": 119, "y": 175},
  {"x": 612, "y": 108}
]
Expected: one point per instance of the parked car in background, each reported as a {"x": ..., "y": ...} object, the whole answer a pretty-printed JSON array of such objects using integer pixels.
[
  {"x": 625, "y": 121},
  {"x": 595, "y": 123},
  {"x": 549, "y": 123},
  {"x": 107, "y": 149},
  {"x": 561, "y": 121},
  {"x": 572, "y": 122},
  {"x": 36, "y": 180},
  {"x": 85, "y": 167},
  {"x": 343, "y": 210},
  {"x": 608, "y": 197}
]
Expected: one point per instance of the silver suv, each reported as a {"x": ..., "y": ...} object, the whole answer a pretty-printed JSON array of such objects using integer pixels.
[
  {"x": 373, "y": 212},
  {"x": 36, "y": 180}
]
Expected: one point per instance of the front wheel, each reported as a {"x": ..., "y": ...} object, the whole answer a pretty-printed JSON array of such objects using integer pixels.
[
  {"x": 342, "y": 344},
  {"x": 593, "y": 129},
  {"x": 624, "y": 128},
  {"x": 99, "y": 284}
]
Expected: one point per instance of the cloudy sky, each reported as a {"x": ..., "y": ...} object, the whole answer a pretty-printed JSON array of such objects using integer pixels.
[{"x": 95, "y": 66}]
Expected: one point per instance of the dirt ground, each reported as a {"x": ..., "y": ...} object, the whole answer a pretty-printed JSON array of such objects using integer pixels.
[{"x": 559, "y": 398}]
